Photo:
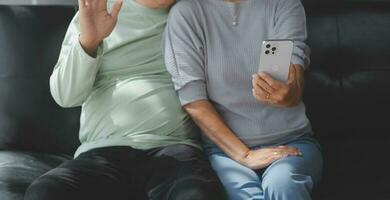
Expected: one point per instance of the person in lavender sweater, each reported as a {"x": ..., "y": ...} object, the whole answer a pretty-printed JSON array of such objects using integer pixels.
[{"x": 255, "y": 130}]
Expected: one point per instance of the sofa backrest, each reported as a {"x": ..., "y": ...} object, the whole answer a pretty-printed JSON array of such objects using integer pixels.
[
  {"x": 348, "y": 86},
  {"x": 30, "y": 41}
]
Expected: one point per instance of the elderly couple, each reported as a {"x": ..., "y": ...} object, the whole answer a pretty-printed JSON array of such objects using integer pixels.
[{"x": 152, "y": 78}]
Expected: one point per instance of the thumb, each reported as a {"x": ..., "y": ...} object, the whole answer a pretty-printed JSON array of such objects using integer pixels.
[{"x": 116, "y": 8}]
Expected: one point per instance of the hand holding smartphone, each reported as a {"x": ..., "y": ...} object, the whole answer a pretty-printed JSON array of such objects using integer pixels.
[{"x": 275, "y": 58}]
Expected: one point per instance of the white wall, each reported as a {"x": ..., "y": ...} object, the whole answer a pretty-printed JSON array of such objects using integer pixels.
[{"x": 38, "y": 2}]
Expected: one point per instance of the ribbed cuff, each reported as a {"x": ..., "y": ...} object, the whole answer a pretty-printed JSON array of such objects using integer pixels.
[{"x": 193, "y": 91}]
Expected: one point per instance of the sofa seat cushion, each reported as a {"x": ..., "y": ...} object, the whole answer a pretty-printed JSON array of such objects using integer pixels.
[{"x": 19, "y": 169}]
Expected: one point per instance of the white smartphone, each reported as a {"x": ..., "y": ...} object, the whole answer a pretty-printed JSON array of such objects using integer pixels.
[{"x": 275, "y": 58}]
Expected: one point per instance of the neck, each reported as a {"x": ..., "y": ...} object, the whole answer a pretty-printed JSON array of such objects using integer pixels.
[{"x": 153, "y": 4}]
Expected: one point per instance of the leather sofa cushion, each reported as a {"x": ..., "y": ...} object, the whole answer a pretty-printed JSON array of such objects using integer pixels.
[
  {"x": 347, "y": 86},
  {"x": 30, "y": 40},
  {"x": 19, "y": 169}
]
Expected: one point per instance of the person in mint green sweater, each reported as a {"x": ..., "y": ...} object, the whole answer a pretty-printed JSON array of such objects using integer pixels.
[{"x": 136, "y": 141}]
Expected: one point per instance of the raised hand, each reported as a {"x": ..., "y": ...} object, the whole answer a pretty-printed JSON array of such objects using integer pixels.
[
  {"x": 271, "y": 91},
  {"x": 261, "y": 158},
  {"x": 96, "y": 22}
]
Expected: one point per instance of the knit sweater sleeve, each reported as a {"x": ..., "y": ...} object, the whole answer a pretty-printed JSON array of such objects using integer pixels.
[
  {"x": 74, "y": 74},
  {"x": 289, "y": 22}
]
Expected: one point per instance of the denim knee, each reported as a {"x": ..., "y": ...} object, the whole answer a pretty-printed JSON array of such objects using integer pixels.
[{"x": 287, "y": 186}]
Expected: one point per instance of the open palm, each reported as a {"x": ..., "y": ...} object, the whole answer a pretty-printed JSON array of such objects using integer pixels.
[{"x": 96, "y": 22}]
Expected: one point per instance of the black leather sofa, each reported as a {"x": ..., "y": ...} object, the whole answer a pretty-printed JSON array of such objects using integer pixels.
[{"x": 347, "y": 96}]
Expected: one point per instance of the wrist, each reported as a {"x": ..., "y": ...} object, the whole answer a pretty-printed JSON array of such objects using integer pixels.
[
  {"x": 244, "y": 157},
  {"x": 89, "y": 46}
]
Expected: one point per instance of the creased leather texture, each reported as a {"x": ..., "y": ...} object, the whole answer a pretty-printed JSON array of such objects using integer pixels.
[
  {"x": 19, "y": 169},
  {"x": 347, "y": 96},
  {"x": 35, "y": 134},
  {"x": 30, "y": 40}
]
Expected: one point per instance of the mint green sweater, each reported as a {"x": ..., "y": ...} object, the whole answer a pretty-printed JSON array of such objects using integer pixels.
[{"x": 126, "y": 94}]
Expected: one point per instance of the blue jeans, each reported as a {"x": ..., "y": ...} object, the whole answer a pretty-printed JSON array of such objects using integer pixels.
[{"x": 291, "y": 178}]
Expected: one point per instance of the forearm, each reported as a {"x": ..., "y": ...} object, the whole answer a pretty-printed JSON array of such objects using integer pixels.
[
  {"x": 73, "y": 76},
  {"x": 213, "y": 126},
  {"x": 72, "y": 80},
  {"x": 300, "y": 74}
]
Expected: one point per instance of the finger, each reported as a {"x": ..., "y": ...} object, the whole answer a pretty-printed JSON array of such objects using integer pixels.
[
  {"x": 280, "y": 151},
  {"x": 116, "y": 8},
  {"x": 292, "y": 148},
  {"x": 276, "y": 152},
  {"x": 81, "y": 3},
  {"x": 285, "y": 151},
  {"x": 274, "y": 158},
  {"x": 102, "y": 4},
  {"x": 281, "y": 147},
  {"x": 88, "y": 2},
  {"x": 279, "y": 156},
  {"x": 264, "y": 96},
  {"x": 260, "y": 82},
  {"x": 261, "y": 95},
  {"x": 277, "y": 148},
  {"x": 297, "y": 151},
  {"x": 98, "y": 5},
  {"x": 260, "y": 91},
  {"x": 294, "y": 151},
  {"x": 271, "y": 82}
]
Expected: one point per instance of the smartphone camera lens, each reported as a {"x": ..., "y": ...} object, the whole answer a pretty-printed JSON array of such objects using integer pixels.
[
  {"x": 267, "y": 52},
  {"x": 268, "y": 46},
  {"x": 273, "y": 48}
]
